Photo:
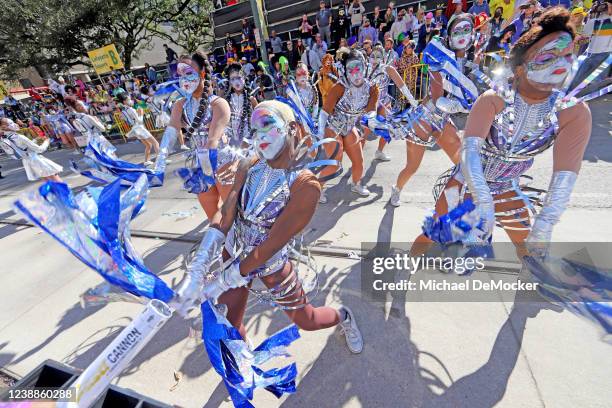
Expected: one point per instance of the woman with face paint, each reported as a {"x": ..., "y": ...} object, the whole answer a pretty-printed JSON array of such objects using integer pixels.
[
  {"x": 271, "y": 202},
  {"x": 20, "y": 147},
  {"x": 504, "y": 134},
  {"x": 381, "y": 70},
  {"x": 241, "y": 104},
  {"x": 348, "y": 100},
  {"x": 160, "y": 112},
  {"x": 436, "y": 126},
  {"x": 205, "y": 116},
  {"x": 305, "y": 91},
  {"x": 135, "y": 118}
]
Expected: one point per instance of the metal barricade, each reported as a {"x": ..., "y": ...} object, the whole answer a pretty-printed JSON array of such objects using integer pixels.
[
  {"x": 416, "y": 78},
  {"x": 121, "y": 124}
]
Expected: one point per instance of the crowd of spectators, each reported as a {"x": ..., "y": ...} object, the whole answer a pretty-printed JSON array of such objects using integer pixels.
[{"x": 406, "y": 31}]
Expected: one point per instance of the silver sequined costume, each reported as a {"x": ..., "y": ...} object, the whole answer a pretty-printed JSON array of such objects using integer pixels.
[
  {"x": 349, "y": 108},
  {"x": 264, "y": 196},
  {"x": 225, "y": 154},
  {"x": 35, "y": 164},
  {"x": 239, "y": 128}
]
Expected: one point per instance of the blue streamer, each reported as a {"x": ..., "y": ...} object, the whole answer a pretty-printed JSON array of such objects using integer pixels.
[
  {"x": 303, "y": 117},
  {"x": 104, "y": 160},
  {"x": 239, "y": 367},
  {"x": 435, "y": 55},
  {"x": 583, "y": 289},
  {"x": 446, "y": 229},
  {"x": 94, "y": 227}
]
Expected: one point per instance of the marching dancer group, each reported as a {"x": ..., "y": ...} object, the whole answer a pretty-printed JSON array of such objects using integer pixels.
[{"x": 259, "y": 169}]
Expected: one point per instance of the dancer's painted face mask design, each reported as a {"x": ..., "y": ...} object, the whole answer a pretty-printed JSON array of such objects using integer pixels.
[
  {"x": 189, "y": 79},
  {"x": 355, "y": 72},
  {"x": 271, "y": 132},
  {"x": 552, "y": 62},
  {"x": 461, "y": 36},
  {"x": 237, "y": 82}
]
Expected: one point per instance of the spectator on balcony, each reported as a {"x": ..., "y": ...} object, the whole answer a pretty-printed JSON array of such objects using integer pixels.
[
  {"x": 420, "y": 18},
  {"x": 342, "y": 25},
  {"x": 457, "y": 8},
  {"x": 323, "y": 21},
  {"x": 389, "y": 50},
  {"x": 247, "y": 30},
  {"x": 151, "y": 73},
  {"x": 410, "y": 21},
  {"x": 389, "y": 19},
  {"x": 399, "y": 26},
  {"x": 425, "y": 32},
  {"x": 319, "y": 49},
  {"x": 441, "y": 20},
  {"x": 378, "y": 20},
  {"x": 356, "y": 11},
  {"x": 502, "y": 41},
  {"x": 496, "y": 22},
  {"x": 305, "y": 30},
  {"x": 276, "y": 43},
  {"x": 522, "y": 22},
  {"x": 292, "y": 55},
  {"x": 507, "y": 8},
  {"x": 367, "y": 32},
  {"x": 479, "y": 6}
]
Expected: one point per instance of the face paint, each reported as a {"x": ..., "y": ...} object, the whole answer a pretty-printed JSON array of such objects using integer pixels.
[
  {"x": 270, "y": 133},
  {"x": 189, "y": 79},
  {"x": 552, "y": 62},
  {"x": 461, "y": 36},
  {"x": 354, "y": 72},
  {"x": 237, "y": 82},
  {"x": 301, "y": 77}
]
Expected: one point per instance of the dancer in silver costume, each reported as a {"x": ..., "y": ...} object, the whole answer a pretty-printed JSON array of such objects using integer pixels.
[
  {"x": 241, "y": 104},
  {"x": 434, "y": 124},
  {"x": 305, "y": 90},
  {"x": 506, "y": 131},
  {"x": 206, "y": 116},
  {"x": 380, "y": 72},
  {"x": 62, "y": 128},
  {"x": 20, "y": 147},
  {"x": 271, "y": 202},
  {"x": 348, "y": 100},
  {"x": 87, "y": 125},
  {"x": 138, "y": 130},
  {"x": 159, "y": 108}
]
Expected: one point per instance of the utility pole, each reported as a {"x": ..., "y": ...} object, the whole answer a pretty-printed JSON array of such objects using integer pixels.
[{"x": 262, "y": 29}]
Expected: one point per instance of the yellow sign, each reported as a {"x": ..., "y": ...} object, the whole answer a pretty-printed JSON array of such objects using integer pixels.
[
  {"x": 105, "y": 59},
  {"x": 4, "y": 92}
]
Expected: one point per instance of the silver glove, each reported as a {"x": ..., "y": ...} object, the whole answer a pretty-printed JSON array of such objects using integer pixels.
[
  {"x": 471, "y": 167},
  {"x": 165, "y": 148},
  {"x": 555, "y": 203},
  {"x": 322, "y": 123},
  {"x": 228, "y": 279},
  {"x": 408, "y": 95},
  {"x": 210, "y": 249}
]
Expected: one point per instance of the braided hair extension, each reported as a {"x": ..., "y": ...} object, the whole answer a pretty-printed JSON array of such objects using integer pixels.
[
  {"x": 245, "y": 117},
  {"x": 202, "y": 62}
]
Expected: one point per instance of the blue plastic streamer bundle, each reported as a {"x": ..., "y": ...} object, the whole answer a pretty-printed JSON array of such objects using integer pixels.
[
  {"x": 582, "y": 289},
  {"x": 239, "y": 366},
  {"x": 94, "y": 227},
  {"x": 447, "y": 228},
  {"x": 104, "y": 162}
]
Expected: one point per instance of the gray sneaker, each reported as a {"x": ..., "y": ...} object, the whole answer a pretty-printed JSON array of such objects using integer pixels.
[
  {"x": 322, "y": 197},
  {"x": 359, "y": 189},
  {"x": 395, "y": 196},
  {"x": 351, "y": 332}
]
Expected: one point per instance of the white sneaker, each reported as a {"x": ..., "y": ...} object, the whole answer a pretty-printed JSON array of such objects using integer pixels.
[
  {"x": 184, "y": 147},
  {"x": 395, "y": 196},
  {"x": 148, "y": 163},
  {"x": 348, "y": 327},
  {"x": 168, "y": 161},
  {"x": 381, "y": 156},
  {"x": 359, "y": 189},
  {"x": 322, "y": 197}
]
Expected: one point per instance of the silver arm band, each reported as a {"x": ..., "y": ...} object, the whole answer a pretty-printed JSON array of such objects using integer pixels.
[
  {"x": 165, "y": 147},
  {"x": 555, "y": 203}
]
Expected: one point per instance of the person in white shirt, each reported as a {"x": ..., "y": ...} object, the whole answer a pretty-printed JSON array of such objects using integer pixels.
[
  {"x": 399, "y": 26},
  {"x": 356, "y": 11}
]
